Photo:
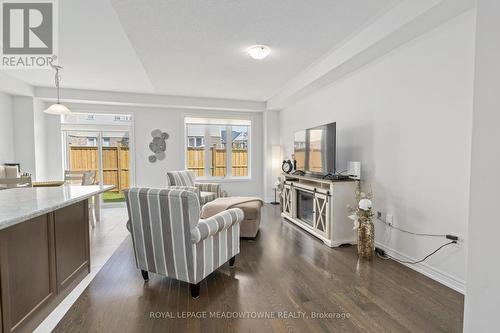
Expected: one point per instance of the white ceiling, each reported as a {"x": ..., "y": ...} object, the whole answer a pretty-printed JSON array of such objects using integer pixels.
[
  {"x": 94, "y": 51},
  {"x": 196, "y": 47}
]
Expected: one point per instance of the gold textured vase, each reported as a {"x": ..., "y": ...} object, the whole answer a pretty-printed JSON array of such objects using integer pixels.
[{"x": 366, "y": 240}]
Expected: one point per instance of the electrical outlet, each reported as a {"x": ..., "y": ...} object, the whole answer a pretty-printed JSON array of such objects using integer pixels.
[
  {"x": 458, "y": 239},
  {"x": 389, "y": 219}
]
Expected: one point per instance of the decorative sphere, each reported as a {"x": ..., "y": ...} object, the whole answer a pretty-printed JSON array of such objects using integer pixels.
[{"x": 365, "y": 204}]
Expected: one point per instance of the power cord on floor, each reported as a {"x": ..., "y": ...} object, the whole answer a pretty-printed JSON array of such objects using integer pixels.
[{"x": 387, "y": 256}]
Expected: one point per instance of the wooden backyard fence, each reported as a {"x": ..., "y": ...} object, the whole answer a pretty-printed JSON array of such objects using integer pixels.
[
  {"x": 239, "y": 161},
  {"x": 116, "y": 161},
  {"x": 115, "y": 164}
]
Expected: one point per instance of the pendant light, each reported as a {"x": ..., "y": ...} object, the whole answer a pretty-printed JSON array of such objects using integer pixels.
[{"x": 57, "y": 108}]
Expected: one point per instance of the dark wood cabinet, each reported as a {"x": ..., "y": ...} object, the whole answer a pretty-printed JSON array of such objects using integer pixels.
[
  {"x": 72, "y": 250},
  {"x": 41, "y": 259}
]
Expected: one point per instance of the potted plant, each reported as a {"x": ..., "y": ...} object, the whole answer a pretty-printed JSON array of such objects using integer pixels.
[{"x": 362, "y": 216}]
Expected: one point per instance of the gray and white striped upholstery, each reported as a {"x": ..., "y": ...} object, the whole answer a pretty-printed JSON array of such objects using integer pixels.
[
  {"x": 207, "y": 197},
  {"x": 209, "y": 187},
  {"x": 180, "y": 178},
  {"x": 171, "y": 240},
  {"x": 187, "y": 188},
  {"x": 206, "y": 191},
  {"x": 203, "y": 197}
]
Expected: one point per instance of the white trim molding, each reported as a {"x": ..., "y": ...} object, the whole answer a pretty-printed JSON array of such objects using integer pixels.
[
  {"x": 149, "y": 100},
  {"x": 427, "y": 270}
]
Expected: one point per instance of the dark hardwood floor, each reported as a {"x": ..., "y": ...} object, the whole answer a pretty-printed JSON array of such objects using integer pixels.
[{"x": 283, "y": 272}]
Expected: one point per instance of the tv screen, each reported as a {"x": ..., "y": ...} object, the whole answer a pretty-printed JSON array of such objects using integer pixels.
[
  {"x": 299, "y": 148},
  {"x": 314, "y": 149}
]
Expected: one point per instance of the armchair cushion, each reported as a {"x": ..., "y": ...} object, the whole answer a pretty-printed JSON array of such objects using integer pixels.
[
  {"x": 207, "y": 197},
  {"x": 209, "y": 187},
  {"x": 185, "y": 180},
  {"x": 185, "y": 188},
  {"x": 212, "y": 225},
  {"x": 180, "y": 178}
]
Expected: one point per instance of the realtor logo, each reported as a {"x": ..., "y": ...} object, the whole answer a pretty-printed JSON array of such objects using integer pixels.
[{"x": 28, "y": 33}]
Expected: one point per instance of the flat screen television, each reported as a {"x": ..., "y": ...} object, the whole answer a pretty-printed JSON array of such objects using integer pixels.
[{"x": 315, "y": 149}]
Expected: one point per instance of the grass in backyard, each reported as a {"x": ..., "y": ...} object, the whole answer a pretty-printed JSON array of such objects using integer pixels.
[{"x": 113, "y": 197}]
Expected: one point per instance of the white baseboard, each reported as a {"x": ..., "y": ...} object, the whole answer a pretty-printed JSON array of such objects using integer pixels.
[
  {"x": 429, "y": 271},
  {"x": 269, "y": 200},
  {"x": 340, "y": 242}
]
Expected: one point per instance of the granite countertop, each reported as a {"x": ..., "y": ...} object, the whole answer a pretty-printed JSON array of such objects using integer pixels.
[{"x": 21, "y": 204}]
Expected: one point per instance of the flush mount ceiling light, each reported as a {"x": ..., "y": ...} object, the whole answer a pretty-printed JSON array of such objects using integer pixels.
[
  {"x": 258, "y": 52},
  {"x": 57, "y": 108}
]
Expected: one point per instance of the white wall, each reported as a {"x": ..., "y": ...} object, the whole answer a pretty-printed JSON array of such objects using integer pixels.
[
  {"x": 48, "y": 143},
  {"x": 54, "y": 149},
  {"x": 24, "y": 134},
  {"x": 483, "y": 290},
  {"x": 272, "y": 152},
  {"x": 407, "y": 118},
  {"x": 40, "y": 134},
  {"x": 31, "y": 133},
  {"x": 7, "y": 153}
]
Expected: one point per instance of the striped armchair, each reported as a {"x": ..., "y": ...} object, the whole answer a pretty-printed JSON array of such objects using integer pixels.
[
  {"x": 185, "y": 180},
  {"x": 171, "y": 240}
]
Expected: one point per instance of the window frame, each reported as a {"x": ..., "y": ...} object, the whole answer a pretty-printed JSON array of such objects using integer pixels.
[
  {"x": 195, "y": 141},
  {"x": 229, "y": 123},
  {"x": 202, "y": 141}
]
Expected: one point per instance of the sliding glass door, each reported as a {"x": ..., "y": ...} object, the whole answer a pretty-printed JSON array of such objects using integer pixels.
[
  {"x": 106, "y": 153},
  {"x": 115, "y": 168},
  {"x": 82, "y": 153}
]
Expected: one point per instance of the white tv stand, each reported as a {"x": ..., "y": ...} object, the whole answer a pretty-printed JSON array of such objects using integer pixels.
[{"x": 319, "y": 206}]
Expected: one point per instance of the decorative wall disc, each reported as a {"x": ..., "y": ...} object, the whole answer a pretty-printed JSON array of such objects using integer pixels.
[
  {"x": 156, "y": 133},
  {"x": 161, "y": 156},
  {"x": 158, "y": 145}
]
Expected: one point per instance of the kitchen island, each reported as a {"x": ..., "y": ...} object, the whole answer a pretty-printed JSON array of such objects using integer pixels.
[{"x": 44, "y": 250}]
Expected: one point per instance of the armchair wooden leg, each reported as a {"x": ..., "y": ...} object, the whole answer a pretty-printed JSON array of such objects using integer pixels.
[
  {"x": 231, "y": 261},
  {"x": 195, "y": 290},
  {"x": 145, "y": 275}
]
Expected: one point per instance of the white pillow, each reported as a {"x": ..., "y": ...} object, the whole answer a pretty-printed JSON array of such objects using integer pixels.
[{"x": 11, "y": 172}]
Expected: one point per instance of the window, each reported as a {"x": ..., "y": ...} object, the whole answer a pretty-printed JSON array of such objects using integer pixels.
[
  {"x": 218, "y": 148},
  {"x": 195, "y": 141}
]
